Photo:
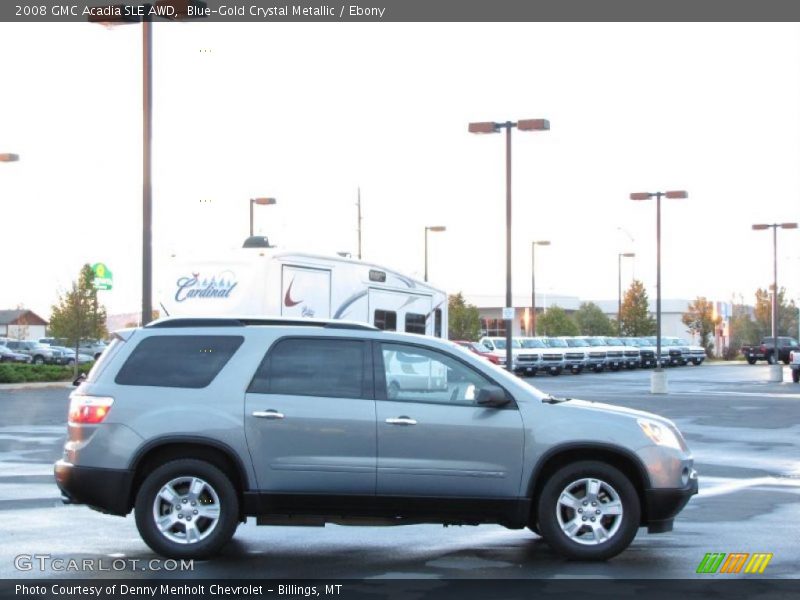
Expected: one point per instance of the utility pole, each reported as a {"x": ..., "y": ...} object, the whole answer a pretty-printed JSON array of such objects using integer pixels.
[{"x": 359, "y": 222}]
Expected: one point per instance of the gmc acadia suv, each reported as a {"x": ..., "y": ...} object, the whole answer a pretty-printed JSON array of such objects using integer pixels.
[{"x": 197, "y": 424}]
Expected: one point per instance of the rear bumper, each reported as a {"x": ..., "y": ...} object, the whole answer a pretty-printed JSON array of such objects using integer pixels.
[
  {"x": 662, "y": 504},
  {"x": 106, "y": 490}
]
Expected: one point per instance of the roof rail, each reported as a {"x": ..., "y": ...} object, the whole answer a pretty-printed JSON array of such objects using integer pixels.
[{"x": 244, "y": 322}]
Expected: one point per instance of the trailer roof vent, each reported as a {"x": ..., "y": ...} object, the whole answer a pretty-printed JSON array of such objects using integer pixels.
[{"x": 256, "y": 241}]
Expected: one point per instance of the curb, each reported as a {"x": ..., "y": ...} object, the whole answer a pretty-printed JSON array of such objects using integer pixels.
[{"x": 38, "y": 385}]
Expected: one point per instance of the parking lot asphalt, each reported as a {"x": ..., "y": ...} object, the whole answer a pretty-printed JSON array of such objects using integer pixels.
[{"x": 744, "y": 433}]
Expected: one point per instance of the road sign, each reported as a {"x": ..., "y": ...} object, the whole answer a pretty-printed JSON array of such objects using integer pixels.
[
  {"x": 103, "y": 278},
  {"x": 508, "y": 313}
]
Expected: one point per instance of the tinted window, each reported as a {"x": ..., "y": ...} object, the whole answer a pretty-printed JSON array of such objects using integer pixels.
[
  {"x": 416, "y": 374},
  {"x": 437, "y": 322},
  {"x": 185, "y": 361},
  {"x": 386, "y": 320},
  {"x": 312, "y": 367},
  {"x": 415, "y": 323}
]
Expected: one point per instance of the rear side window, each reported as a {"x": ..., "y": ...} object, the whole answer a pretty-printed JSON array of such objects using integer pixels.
[
  {"x": 437, "y": 322},
  {"x": 181, "y": 361},
  {"x": 313, "y": 367}
]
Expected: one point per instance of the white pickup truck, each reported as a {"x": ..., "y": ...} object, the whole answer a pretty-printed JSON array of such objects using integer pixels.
[{"x": 794, "y": 364}]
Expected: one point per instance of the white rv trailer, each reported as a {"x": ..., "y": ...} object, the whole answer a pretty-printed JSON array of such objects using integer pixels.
[{"x": 268, "y": 281}]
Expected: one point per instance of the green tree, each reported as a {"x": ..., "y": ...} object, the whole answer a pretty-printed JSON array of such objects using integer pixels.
[
  {"x": 787, "y": 314},
  {"x": 743, "y": 330},
  {"x": 700, "y": 321},
  {"x": 78, "y": 315},
  {"x": 635, "y": 319},
  {"x": 555, "y": 321},
  {"x": 464, "y": 323},
  {"x": 591, "y": 320}
]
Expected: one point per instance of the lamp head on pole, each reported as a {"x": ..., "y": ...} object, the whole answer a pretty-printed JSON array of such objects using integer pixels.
[
  {"x": 437, "y": 228},
  {"x": 263, "y": 201},
  {"x": 484, "y": 127}
]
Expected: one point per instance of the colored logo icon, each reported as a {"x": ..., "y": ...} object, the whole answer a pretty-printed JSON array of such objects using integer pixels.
[{"x": 735, "y": 562}]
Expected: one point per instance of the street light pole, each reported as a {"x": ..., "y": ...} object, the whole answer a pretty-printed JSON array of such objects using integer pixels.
[
  {"x": 533, "y": 282},
  {"x": 776, "y": 371},
  {"x": 434, "y": 228},
  {"x": 120, "y": 16},
  {"x": 260, "y": 202},
  {"x": 147, "y": 183},
  {"x": 658, "y": 383},
  {"x": 492, "y": 127},
  {"x": 619, "y": 288}
]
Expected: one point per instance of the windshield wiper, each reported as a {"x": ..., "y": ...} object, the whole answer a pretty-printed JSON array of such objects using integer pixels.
[{"x": 554, "y": 400}]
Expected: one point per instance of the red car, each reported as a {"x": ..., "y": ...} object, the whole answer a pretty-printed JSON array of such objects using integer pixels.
[{"x": 476, "y": 348}]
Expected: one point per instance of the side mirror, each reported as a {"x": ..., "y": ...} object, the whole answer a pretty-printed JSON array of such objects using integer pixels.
[
  {"x": 492, "y": 397},
  {"x": 79, "y": 379}
]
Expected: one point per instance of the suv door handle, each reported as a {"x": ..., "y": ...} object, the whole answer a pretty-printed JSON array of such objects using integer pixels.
[
  {"x": 268, "y": 414},
  {"x": 401, "y": 421}
]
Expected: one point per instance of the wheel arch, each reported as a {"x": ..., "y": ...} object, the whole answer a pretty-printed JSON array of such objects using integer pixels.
[
  {"x": 618, "y": 457},
  {"x": 162, "y": 450}
]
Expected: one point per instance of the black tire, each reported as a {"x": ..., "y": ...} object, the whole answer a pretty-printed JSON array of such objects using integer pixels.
[
  {"x": 577, "y": 370},
  {"x": 796, "y": 375},
  {"x": 786, "y": 361},
  {"x": 771, "y": 359},
  {"x": 228, "y": 505},
  {"x": 555, "y": 372},
  {"x": 599, "y": 369},
  {"x": 548, "y": 511},
  {"x": 70, "y": 362},
  {"x": 751, "y": 361},
  {"x": 38, "y": 360}
]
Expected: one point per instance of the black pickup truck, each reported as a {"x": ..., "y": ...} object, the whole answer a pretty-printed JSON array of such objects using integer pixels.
[{"x": 766, "y": 350}]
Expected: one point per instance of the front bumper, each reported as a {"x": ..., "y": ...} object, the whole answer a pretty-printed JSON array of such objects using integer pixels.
[
  {"x": 106, "y": 490},
  {"x": 662, "y": 504}
]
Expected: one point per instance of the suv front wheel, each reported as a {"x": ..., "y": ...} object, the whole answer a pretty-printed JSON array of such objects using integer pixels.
[
  {"x": 588, "y": 511},
  {"x": 187, "y": 509}
]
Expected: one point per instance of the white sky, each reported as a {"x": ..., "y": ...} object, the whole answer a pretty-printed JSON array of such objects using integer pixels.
[{"x": 308, "y": 112}]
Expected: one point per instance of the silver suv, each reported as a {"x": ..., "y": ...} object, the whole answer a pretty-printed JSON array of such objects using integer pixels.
[{"x": 197, "y": 424}]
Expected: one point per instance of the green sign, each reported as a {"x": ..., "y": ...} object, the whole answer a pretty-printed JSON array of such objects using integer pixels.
[{"x": 103, "y": 278}]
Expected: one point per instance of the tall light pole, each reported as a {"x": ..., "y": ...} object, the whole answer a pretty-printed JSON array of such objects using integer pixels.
[
  {"x": 434, "y": 228},
  {"x": 533, "y": 281},
  {"x": 619, "y": 287},
  {"x": 358, "y": 203},
  {"x": 123, "y": 14},
  {"x": 492, "y": 127},
  {"x": 658, "y": 384},
  {"x": 776, "y": 371},
  {"x": 260, "y": 202},
  {"x": 9, "y": 157}
]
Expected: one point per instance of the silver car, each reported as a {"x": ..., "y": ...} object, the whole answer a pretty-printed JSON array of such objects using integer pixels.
[{"x": 197, "y": 424}]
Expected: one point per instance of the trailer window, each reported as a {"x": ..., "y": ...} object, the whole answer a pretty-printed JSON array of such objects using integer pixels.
[
  {"x": 437, "y": 322},
  {"x": 386, "y": 320},
  {"x": 415, "y": 323}
]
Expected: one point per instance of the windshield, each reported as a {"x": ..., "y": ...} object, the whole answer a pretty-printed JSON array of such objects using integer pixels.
[
  {"x": 596, "y": 342},
  {"x": 574, "y": 343},
  {"x": 614, "y": 342},
  {"x": 501, "y": 344},
  {"x": 531, "y": 343},
  {"x": 556, "y": 343}
]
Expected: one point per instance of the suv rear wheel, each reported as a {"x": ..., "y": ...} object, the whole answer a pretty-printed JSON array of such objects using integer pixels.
[
  {"x": 588, "y": 511},
  {"x": 187, "y": 509}
]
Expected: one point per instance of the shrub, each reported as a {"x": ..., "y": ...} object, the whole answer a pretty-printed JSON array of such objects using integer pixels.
[{"x": 21, "y": 373}]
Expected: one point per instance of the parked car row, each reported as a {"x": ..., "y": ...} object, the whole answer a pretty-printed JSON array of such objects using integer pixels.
[
  {"x": 555, "y": 355},
  {"x": 49, "y": 351}
]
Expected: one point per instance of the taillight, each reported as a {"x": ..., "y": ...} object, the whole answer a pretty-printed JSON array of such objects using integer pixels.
[{"x": 88, "y": 409}]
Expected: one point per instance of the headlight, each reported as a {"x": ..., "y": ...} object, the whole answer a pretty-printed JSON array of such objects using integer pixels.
[{"x": 659, "y": 434}]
